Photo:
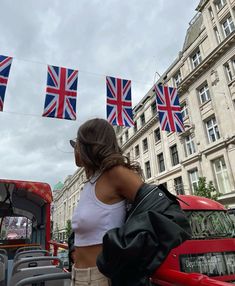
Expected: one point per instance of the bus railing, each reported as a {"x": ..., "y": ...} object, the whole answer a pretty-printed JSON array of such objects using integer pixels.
[
  {"x": 165, "y": 276},
  {"x": 54, "y": 249},
  {"x": 56, "y": 245}
]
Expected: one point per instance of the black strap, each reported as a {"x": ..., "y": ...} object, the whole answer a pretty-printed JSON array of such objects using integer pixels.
[{"x": 164, "y": 189}]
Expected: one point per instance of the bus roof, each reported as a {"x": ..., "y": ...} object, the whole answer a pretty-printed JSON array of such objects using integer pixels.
[
  {"x": 42, "y": 190},
  {"x": 199, "y": 203}
]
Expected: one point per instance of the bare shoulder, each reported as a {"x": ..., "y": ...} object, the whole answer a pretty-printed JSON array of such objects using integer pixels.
[{"x": 125, "y": 181}]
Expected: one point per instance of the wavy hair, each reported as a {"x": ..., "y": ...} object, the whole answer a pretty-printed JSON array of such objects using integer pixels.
[{"x": 99, "y": 149}]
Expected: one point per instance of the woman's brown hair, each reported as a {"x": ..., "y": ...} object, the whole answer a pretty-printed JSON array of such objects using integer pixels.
[{"x": 99, "y": 149}]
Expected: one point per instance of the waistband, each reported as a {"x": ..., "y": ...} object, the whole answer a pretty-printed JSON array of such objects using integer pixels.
[{"x": 86, "y": 274}]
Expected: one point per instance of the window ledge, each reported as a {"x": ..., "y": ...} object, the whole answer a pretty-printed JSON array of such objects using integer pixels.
[
  {"x": 190, "y": 155},
  {"x": 213, "y": 146},
  {"x": 170, "y": 133},
  {"x": 175, "y": 166},
  {"x": 202, "y": 105},
  {"x": 218, "y": 11},
  {"x": 232, "y": 82},
  {"x": 185, "y": 118},
  {"x": 157, "y": 143},
  {"x": 190, "y": 159}
]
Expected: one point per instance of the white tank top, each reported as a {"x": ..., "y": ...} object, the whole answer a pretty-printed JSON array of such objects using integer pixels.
[{"x": 93, "y": 218}]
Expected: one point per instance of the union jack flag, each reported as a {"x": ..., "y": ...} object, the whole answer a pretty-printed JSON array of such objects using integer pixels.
[
  {"x": 169, "y": 109},
  {"x": 61, "y": 93},
  {"x": 5, "y": 66},
  {"x": 119, "y": 109}
]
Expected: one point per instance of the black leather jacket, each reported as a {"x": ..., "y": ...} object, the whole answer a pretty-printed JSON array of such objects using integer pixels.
[
  {"x": 71, "y": 248},
  {"x": 155, "y": 224}
]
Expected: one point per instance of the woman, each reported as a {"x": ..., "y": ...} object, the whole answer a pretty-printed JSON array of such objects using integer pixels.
[
  {"x": 111, "y": 180},
  {"x": 127, "y": 249}
]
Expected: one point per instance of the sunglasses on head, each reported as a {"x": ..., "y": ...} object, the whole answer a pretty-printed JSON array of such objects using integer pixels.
[{"x": 73, "y": 142}]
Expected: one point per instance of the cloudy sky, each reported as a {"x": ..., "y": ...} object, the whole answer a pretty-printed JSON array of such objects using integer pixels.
[{"x": 128, "y": 39}]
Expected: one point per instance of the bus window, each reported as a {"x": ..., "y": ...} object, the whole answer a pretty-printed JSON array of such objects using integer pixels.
[{"x": 16, "y": 227}]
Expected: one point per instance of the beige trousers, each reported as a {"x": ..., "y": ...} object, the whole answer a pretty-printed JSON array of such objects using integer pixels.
[{"x": 88, "y": 276}]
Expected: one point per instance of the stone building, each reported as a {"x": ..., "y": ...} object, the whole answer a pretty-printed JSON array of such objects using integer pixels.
[
  {"x": 64, "y": 203},
  {"x": 204, "y": 73}
]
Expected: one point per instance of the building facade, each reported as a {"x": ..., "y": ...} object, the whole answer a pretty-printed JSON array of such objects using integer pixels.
[
  {"x": 64, "y": 203},
  {"x": 204, "y": 74}
]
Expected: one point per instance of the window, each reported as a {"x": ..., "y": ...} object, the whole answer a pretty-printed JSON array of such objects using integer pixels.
[
  {"x": 145, "y": 144},
  {"x": 121, "y": 140},
  {"x": 126, "y": 135},
  {"x": 193, "y": 176},
  {"x": 137, "y": 151},
  {"x": 217, "y": 35},
  {"x": 177, "y": 79},
  {"x": 189, "y": 145},
  {"x": 147, "y": 170},
  {"x": 18, "y": 227},
  {"x": 204, "y": 93},
  {"x": 142, "y": 119},
  {"x": 128, "y": 155},
  {"x": 135, "y": 126},
  {"x": 161, "y": 163},
  {"x": 154, "y": 108},
  {"x": 179, "y": 187},
  {"x": 174, "y": 155},
  {"x": 118, "y": 129},
  {"x": 196, "y": 58},
  {"x": 184, "y": 110},
  {"x": 228, "y": 26},
  {"x": 228, "y": 71},
  {"x": 221, "y": 175},
  {"x": 211, "y": 12},
  {"x": 219, "y": 4},
  {"x": 157, "y": 135},
  {"x": 212, "y": 130}
]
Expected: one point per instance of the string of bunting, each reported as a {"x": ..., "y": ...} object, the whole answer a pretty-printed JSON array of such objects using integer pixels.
[{"x": 61, "y": 97}]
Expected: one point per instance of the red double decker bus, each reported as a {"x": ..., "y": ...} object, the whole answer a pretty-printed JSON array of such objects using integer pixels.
[{"x": 25, "y": 257}]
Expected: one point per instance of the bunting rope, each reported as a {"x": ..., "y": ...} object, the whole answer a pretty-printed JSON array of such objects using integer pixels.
[
  {"x": 81, "y": 71},
  {"x": 54, "y": 77}
]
